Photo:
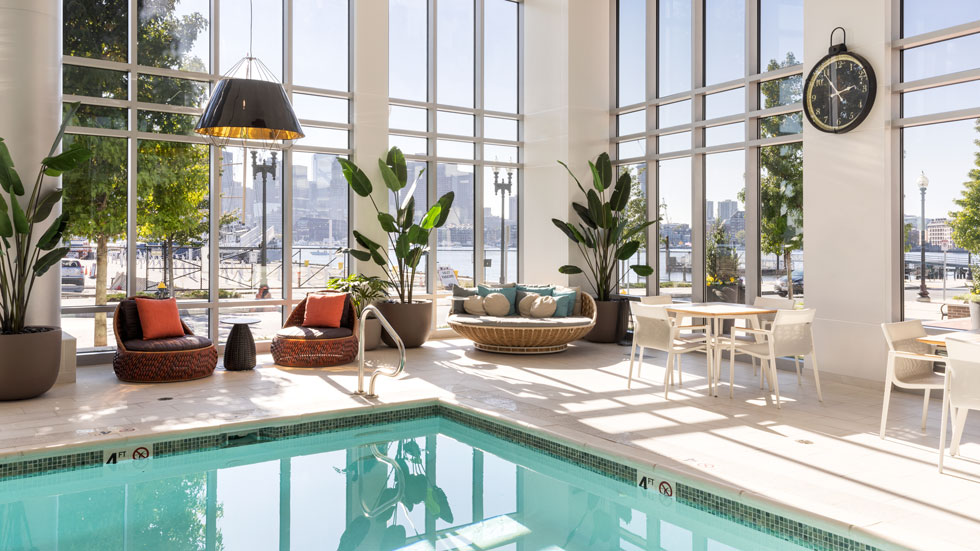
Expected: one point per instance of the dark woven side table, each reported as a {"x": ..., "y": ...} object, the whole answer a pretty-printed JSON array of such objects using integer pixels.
[{"x": 240, "y": 347}]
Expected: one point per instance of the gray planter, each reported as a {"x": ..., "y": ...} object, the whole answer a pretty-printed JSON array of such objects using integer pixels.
[
  {"x": 372, "y": 333},
  {"x": 29, "y": 363},
  {"x": 974, "y": 315},
  {"x": 412, "y": 322},
  {"x": 611, "y": 321}
]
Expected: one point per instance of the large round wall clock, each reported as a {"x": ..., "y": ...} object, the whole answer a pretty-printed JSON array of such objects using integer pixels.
[{"x": 840, "y": 90}]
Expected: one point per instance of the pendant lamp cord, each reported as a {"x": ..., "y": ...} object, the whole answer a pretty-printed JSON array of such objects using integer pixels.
[{"x": 248, "y": 71}]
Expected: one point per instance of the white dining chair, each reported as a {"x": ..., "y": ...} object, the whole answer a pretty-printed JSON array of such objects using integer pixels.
[
  {"x": 654, "y": 328},
  {"x": 791, "y": 334},
  {"x": 962, "y": 391},
  {"x": 911, "y": 365},
  {"x": 655, "y": 300},
  {"x": 764, "y": 321}
]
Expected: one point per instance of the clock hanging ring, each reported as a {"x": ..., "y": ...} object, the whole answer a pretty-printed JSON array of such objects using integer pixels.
[{"x": 839, "y": 91}]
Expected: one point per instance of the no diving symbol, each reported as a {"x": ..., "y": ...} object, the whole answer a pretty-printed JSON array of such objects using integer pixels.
[
  {"x": 143, "y": 453},
  {"x": 666, "y": 489}
]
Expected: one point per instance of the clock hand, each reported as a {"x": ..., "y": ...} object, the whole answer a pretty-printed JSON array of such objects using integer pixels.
[{"x": 839, "y": 92}]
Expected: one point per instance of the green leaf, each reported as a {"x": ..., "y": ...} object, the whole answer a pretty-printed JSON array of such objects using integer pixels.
[
  {"x": 583, "y": 213},
  {"x": 6, "y": 161},
  {"x": 355, "y": 533},
  {"x": 66, "y": 160},
  {"x": 49, "y": 259},
  {"x": 363, "y": 256},
  {"x": 3, "y": 204},
  {"x": 601, "y": 172},
  {"x": 20, "y": 219},
  {"x": 621, "y": 194},
  {"x": 638, "y": 229},
  {"x": 50, "y": 238},
  {"x": 564, "y": 227},
  {"x": 387, "y": 222},
  {"x": 45, "y": 205},
  {"x": 68, "y": 116},
  {"x": 626, "y": 251},
  {"x": 389, "y": 176},
  {"x": 573, "y": 176},
  {"x": 377, "y": 258},
  {"x": 431, "y": 504},
  {"x": 356, "y": 178},
  {"x": 6, "y": 228},
  {"x": 402, "y": 246},
  {"x": 407, "y": 215},
  {"x": 587, "y": 234},
  {"x": 642, "y": 270},
  {"x": 396, "y": 161},
  {"x": 393, "y": 537},
  {"x": 445, "y": 513},
  {"x": 431, "y": 217},
  {"x": 364, "y": 241},
  {"x": 569, "y": 269},
  {"x": 595, "y": 208},
  {"x": 446, "y": 202},
  {"x": 14, "y": 183}
]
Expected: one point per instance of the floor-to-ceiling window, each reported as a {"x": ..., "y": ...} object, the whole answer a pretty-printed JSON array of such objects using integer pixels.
[
  {"x": 708, "y": 117},
  {"x": 157, "y": 210},
  {"x": 940, "y": 155},
  {"x": 453, "y": 84}
]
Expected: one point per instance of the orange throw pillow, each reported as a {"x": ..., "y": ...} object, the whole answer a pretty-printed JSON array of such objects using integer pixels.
[
  {"x": 159, "y": 318},
  {"x": 324, "y": 310}
]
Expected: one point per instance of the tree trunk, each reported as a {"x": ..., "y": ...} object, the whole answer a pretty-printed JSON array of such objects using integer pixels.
[
  {"x": 101, "y": 266},
  {"x": 789, "y": 272}
]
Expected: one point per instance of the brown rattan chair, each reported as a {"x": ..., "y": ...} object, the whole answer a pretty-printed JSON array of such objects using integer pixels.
[
  {"x": 158, "y": 360},
  {"x": 298, "y": 346}
]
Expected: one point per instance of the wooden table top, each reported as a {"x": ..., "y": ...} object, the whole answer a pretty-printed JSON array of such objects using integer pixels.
[
  {"x": 940, "y": 338},
  {"x": 717, "y": 309}
]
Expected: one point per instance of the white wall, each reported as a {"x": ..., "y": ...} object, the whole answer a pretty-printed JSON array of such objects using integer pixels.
[{"x": 850, "y": 198}]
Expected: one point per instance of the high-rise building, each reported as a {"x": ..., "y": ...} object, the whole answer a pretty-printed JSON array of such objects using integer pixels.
[{"x": 727, "y": 209}]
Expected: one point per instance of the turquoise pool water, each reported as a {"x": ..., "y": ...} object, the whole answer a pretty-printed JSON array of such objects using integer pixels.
[{"x": 423, "y": 485}]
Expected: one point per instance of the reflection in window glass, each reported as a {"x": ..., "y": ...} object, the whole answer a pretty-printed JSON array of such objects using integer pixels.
[
  {"x": 781, "y": 91},
  {"x": 674, "y": 181},
  {"x": 674, "y": 57},
  {"x": 780, "y": 34},
  {"x": 724, "y": 247},
  {"x": 674, "y": 142},
  {"x": 632, "y": 49},
  {"x": 454, "y": 53},
  {"x": 173, "y": 190},
  {"x": 311, "y": 478},
  {"x": 266, "y": 39},
  {"x": 943, "y": 157},
  {"x": 950, "y": 56},
  {"x": 159, "y": 122},
  {"x": 324, "y": 23},
  {"x": 500, "y": 196},
  {"x": 631, "y": 149},
  {"x": 500, "y": 56},
  {"x": 171, "y": 91},
  {"x": 320, "y": 207},
  {"x": 631, "y": 123},
  {"x": 96, "y": 29},
  {"x": 944, "y": 98},
  {"x": 781, "y": 125},
  {"x": 724, "y": 40},
  {"x": 673, "y": 114},
  {"x": 248, "y": 498},
  {"x": 408, "y": 49},
  {"x": 97, "y": 116},
  {"x": 636, "y": 214},
  {"x": 96, "y": 83},
  {"x": 723, "y": 104},
  {"x": 174, "y": 35},
  {"x": 94, "y": 271},
  {"x": 456, "y": 238},
  {"x": 728, "y": 133},
  {"x": 251, "y": 224},
  {"x": 781, "y": 219},
  {"x": 922, "y": 16}
]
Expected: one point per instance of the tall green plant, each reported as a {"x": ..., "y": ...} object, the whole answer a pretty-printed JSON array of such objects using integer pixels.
[
  {"x": 23, "y": 255},
  {"x": 363, "y": 289},
  {"x": 606, "y": 234},
  {"x": 408, "y": 241}
]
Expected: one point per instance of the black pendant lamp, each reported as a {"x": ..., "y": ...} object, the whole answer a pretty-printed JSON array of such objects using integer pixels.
[{"x": 249, "y": 108}]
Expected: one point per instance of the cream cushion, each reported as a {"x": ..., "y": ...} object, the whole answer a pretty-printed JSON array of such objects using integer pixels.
[
  {"x": 474, "y": 305},
  {"x": 524, "y": 307},
  {"x": 543, "y": 307},
  {"x": 496, "y": 304}
]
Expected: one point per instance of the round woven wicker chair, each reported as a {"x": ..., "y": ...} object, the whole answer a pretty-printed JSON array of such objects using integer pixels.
[
  {"x": 298, "y": 346},
  {"x": 158, "y": 360},
  {"x": 515, "y": 335}
]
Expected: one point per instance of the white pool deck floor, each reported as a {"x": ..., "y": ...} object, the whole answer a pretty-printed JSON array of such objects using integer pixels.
[{"x": 822, "y": 458}]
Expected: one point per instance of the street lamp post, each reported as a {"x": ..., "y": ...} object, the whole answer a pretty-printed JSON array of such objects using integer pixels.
[
  {"x": 266, "y": 170},
  {"x": 504, "y": 188},
  {"x": 923, "y": 183}
]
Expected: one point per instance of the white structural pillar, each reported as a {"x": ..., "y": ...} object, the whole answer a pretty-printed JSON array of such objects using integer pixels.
[
  {"x": 566, "y": 117},
  {"x": 369, "y": 78},
  {"x": 30, "y": 111},
  {"x": 850, "y": 201}
]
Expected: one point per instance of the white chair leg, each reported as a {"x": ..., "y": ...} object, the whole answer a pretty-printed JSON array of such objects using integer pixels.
[
  {"x": 799, "y": 376},
  {"x": 816, "y": 373},
  {"x": 629, "y": 381},
  {"x": 639, "y": 363},
  {"x": 731, "y": 371},
  {"x": 884, "y": 407},
  {"x": 959, "y": 421},
  {"x": 774, "y": 380},
  {"x": 925, "y": 407},
  {"x": 942, "y": 430},
  {"x": 667, "y": 374},
  {"x": 680, "y": 370}
]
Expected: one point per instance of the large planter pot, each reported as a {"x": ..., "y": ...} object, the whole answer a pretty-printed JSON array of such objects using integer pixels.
[
  {"x": 974, "y": 315},
  {"x": 612, "y": 319},
  {"x": 29, "y": 362},
  {"x": 372, "y": 333},
  {"x": 412, "y": 322}
]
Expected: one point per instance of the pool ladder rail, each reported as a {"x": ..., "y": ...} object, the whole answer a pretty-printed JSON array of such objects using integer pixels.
[{"x": 372, "y": 309}]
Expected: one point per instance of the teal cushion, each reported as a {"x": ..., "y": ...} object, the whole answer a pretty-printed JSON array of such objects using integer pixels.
[
  {"x": 543, "y": 290},
  {"x": 566, "y": 303},
  {"x": 509, "y": 292}
]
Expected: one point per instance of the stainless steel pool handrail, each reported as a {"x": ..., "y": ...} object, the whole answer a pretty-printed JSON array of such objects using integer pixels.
[
  {"x": 399, "y": 485},
  {"x": 372, "y": 309}
]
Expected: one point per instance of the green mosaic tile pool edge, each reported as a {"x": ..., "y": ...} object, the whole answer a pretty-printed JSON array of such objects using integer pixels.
[{"x": 799, "y": 533}]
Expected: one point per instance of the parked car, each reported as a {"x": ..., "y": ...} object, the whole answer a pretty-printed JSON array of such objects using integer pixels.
[
  {"x": 783, "y": 290},
  {"x": 72, "y": 275}
]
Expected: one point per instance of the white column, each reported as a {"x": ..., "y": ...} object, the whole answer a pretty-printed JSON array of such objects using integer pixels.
[
  {"x": 850, "y": 199},
  {"x": 30, "y": 112},
  {"x": 566, "y": 117},
  {"x": 369, "y": 84}
]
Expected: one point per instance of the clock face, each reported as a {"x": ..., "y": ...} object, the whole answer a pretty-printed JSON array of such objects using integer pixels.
[{"x": 839, "y": 92}]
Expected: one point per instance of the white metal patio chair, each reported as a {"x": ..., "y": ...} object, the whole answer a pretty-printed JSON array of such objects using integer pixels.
[
  {"x": 654, "y": 328},
  {"x": 791, "y": 334},
  {"x": 654, "y": 300},
  {"x": 962, "y": 391},
  {"x": 910, "y": 365},
  {"x": 764, "y": 321}
]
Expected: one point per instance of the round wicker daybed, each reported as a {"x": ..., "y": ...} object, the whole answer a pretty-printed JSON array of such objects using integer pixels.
[{"x": 520, "y": 335}]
